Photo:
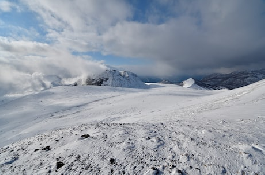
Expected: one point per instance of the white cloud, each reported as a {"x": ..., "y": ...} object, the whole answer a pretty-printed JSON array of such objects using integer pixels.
[
  {"x": 33, "y": 56},
  {"x": 205, "y": 35},
  {"x": 22, "y": 64},
  {"x": 79, "y": 15},
  {"x": 71, "y": 22},
  {"x": 6, "y": 6},
  {"x": 23, "y": 47}
]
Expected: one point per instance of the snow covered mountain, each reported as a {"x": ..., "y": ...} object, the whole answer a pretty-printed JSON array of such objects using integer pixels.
[
  {"x": 116, "y": 78},
  {"x": 232, "y": 80}
]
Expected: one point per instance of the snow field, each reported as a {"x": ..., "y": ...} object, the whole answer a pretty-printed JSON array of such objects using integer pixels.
[
  {"x": 162, "y": 130},
  {"x": 181, "y": 147}
]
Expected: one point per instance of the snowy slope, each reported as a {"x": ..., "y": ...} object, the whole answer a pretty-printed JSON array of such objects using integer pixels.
[{"x": 165, "y": 129}]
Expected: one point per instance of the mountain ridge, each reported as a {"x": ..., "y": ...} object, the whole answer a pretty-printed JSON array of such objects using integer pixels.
[{"x": 232, "y": 80}]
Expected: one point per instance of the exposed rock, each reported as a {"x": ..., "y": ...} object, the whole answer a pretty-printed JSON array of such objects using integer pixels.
[
  {"x": 59, "y": 165},
  {"x": 85, "y": 136},
  {"x": 47, "y": 148},
  {"x": 112, "y": 161}
]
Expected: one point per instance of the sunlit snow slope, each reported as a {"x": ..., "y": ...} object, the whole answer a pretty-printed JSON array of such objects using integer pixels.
[{"x": 105, "y": 130}]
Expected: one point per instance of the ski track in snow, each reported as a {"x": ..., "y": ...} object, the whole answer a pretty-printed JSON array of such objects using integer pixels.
[{"x": 155, "y": 131}]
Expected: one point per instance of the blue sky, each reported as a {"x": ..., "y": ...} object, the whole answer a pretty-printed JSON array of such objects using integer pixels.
[{"x": 159, "y": 37}]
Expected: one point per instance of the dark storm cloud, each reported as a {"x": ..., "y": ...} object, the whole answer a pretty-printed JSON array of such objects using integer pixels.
[{"x": 207, "y": 35}]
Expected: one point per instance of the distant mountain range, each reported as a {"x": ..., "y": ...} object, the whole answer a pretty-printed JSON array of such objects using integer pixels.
[
  {"x": 150, "y": 79},
  {"x": 117, "y": 78},
  {"x": 232, "y": 80},
  {"x": 214, "y": 81}
]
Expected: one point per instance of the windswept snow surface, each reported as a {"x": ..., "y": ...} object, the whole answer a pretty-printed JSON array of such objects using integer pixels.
[{"x": 166, "y": 129}]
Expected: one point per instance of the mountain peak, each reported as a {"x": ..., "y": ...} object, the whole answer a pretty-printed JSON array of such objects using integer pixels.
[{"x": 116, "y": 78}]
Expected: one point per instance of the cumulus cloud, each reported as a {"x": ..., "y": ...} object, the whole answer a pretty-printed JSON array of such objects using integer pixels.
[
  {"x": 24, "y": 65},
  {"x": 6, "y": 6},
  {"x": 79, "y": 24}
]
